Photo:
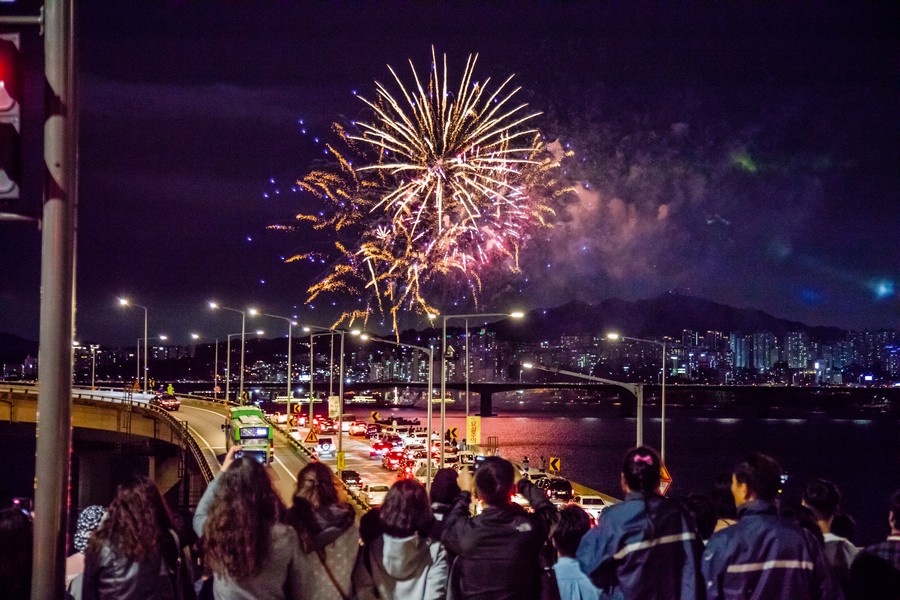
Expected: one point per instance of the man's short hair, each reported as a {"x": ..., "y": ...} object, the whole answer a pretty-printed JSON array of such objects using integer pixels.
[
  {"x": 572, "y": 525},
  {"x": 822, "y": 498},
  {"x": 761, "y": 474}
]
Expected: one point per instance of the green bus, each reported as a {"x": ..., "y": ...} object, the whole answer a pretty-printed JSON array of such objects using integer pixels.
[{"x": 247, "y": 427}]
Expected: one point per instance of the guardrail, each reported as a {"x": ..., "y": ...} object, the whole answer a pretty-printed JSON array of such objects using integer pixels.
[
  {"x": 111, "y": 397},
  {"x": 360, "y": 505}
]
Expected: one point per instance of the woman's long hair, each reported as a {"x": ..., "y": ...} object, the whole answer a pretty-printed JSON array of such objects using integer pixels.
[
  {"x": 135, "y": 521},
  {"x": 406, "y": 510},
  {"x": 16, "y": 535},
  {"x": 316, "y": 485},
  {"x": 237, "y": 532}
]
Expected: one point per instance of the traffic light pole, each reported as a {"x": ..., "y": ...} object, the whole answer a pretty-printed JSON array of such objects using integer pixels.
[{"x": 54, "y": 429}]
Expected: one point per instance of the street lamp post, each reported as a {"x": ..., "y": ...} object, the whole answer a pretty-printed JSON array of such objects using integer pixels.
[
  {"x": 93, "y": 363},
  {"x": 312, "y": 336},
  {"x": 342, "y": 333},
  {"x": 444, "y": 319},
  {"x": 197, "y": 336},
  {"x": 214, "y": 306},
  {"x": 147, "y": 356},
  {"x": 662, "y": 401},
  {"x": 228, "y": 361},
  {"x": 291, "y": 322},
  {"x": 127, "y": 302},
  {"x": 636, "y": 389},
  {"x": 430, "y": 352}
]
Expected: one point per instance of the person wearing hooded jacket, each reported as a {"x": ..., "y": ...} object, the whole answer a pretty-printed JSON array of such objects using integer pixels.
[
  {"x": 402, "y": 563},
  {"x": 647, "y": 546},
  {"x": 764, "y": 556},
  {"x": 329, "y": 536},
  {"x": 498, "y": 551}
]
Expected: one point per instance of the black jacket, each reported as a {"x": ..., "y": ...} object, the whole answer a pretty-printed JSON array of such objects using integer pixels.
[
  {"x": 498, "y": 550},
  {"x": 110, "y": 576}
]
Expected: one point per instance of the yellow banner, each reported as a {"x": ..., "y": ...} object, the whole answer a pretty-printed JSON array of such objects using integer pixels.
[{"x": 473, "y": 431}]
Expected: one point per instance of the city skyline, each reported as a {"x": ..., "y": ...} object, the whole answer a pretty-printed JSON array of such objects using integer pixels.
[{"x": 761, "y": 183}]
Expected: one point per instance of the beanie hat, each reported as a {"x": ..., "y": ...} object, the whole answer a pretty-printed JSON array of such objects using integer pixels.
[
  {"x": 444, "y": 488},
  {"x": 89, "y": 520}
]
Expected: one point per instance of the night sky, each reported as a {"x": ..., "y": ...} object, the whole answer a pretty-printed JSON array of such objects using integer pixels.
[{"x": 744, "y": 153}]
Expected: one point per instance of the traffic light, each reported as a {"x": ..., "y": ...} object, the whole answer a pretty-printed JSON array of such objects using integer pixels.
[{"x": 10, "y": 116}]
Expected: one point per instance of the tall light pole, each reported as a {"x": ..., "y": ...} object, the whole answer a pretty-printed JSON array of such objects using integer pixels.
[
  {"x": 162, "y": 338},
  {"x": 312, "y": 336},
  {"x": 291, "y": 322},
  {"x": 342, "y": 333},
  {"x": 636, "y": 389},
  {"x": 662, "y": 438},
  {"x": 430, "y": 352},
  {"x": 444, "y": 319},
  {"x": 127, "y": 302},
  {"x": 215, "y": 306},
  {"x": 197, "y": 336},
  {"x": 93, "y": 363},
  {"x": 228, "y": 361}
]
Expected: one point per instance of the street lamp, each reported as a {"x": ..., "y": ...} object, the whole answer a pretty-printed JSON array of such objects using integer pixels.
[
  {"x": 93, "y": 363},
  {"x": 161, "y": 338},
  {"x": 214, "y": 306},
  {"x": 445, "y": 318},
  {"x": 228, "y": 362},
  {"x": 127, "y": 302},
  {"x": 312, "y": 366},
  {"x": 430, "y": 352},
  {"x": 291, "y": 322},
  {"x": 636, "y": 389},
  {"x": 197, "y": 336},
  {"x": 342, "y": 333},
  {"x": 662, "y": 439}
]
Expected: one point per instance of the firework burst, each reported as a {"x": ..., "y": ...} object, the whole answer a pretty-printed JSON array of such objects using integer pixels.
[{"x": 448, "y": 184}]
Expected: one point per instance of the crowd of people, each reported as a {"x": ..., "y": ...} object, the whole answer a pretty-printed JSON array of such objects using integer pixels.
[{"x": 245, "y": 543}]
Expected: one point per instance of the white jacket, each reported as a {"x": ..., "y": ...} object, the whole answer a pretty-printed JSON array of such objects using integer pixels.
[{"x": 410, "y": 568}]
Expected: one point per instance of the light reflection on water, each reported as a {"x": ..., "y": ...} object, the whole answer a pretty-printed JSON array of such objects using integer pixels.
[{"x": 860, "y": 455}]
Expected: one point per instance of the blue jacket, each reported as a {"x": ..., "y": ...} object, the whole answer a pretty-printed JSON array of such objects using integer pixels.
[
  {"x": 631, "y": 554},
  {"x": 766, "y": 557}
]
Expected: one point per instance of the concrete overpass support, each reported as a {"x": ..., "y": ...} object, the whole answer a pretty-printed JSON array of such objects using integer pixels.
[{"x": 486, "y": 405}]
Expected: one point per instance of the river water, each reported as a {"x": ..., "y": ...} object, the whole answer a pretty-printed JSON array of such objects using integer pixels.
[{"x": 862, "y": 456}]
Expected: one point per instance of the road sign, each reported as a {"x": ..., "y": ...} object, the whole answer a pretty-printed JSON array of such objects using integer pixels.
[
  {"x": 340, "y": 461},
  {"x": 473, "y": 431},
  {"x": 374, "y": 415},
  {"x": 311, "y": 438},
  {"x": 553, "y": 464},
  {"x": 217, "y": 389},
  {"x": 665, "y": 480},
  {"x": 334, "y": 406},
  {"x": 452, "y": 432},
  {"x": 297, "y": 408}
]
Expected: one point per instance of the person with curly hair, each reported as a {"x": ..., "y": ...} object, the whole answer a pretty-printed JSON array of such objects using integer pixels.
[
  {"x": 251, "y": 553},
  {"x": 403, "y": 562},
  {"x": 134, "y": 553},
  {"x": 328, "y": 534}
]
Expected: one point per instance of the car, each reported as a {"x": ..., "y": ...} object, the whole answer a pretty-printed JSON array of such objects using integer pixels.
[
  {"x": 166, "y": 401},
  {"x": 372, "y": 429},
  {"x": 394, "y": 440},
  {"x": 326, "y": 425},
  {"x": 325, "y": 447},
  {"x": 592, "y": 505},
  {"x": 557, "y": 488},
  {"x": 391, "y": 460},
  {"x": 534, "y": 476},
  {"x": 357, "y": 428},
  {"x": 351, "y": 478},
  {"x": 379, "y": 448},
  {"x": 374, "y": 493}
]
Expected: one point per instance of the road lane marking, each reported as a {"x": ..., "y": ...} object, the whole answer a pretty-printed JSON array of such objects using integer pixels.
[{"x": 286, "y": 470}]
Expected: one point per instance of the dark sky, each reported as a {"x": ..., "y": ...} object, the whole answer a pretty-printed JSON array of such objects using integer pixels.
[{"x": 747, "y": 153}]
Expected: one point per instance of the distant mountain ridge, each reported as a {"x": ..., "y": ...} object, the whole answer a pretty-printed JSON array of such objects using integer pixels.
[
  {"x": 14, "y": 349},
  {"x": 665, "y": 315}
]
